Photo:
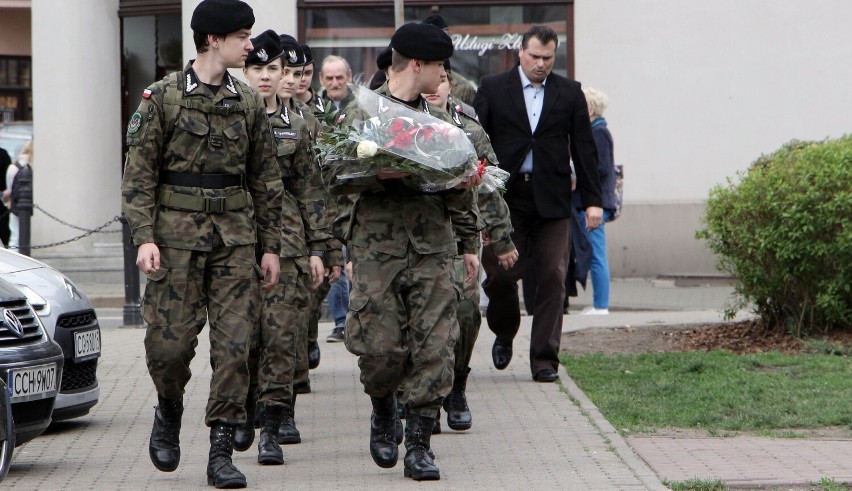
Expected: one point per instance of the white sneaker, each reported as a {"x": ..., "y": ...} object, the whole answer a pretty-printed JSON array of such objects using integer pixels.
[{"x": 594, "y": 311}]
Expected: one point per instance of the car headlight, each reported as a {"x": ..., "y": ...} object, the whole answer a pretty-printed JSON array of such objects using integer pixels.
[{"x": 39, "y": 304}]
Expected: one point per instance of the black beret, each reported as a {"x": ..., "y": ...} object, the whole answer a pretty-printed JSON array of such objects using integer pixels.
[
  {"x": 266, "y": 49},
  {"x": 292, "y": 51},
  {"x": 422, "y": 42},
  {"x": 383, "y": 60},
  {"x": 437, "y": 21},
  {"x": 309, "y": 57},
  {"x": 221, "y": 17}
]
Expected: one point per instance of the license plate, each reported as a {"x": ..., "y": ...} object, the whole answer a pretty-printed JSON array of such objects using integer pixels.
[
  {"x": 33, "y": 382},
  {"x": 87, "y": 344}
]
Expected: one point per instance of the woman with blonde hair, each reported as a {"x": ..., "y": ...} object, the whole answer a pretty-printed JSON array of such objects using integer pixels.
[
  {"x": 599, "y": 267},
  {"x": 25, "y": 157}
]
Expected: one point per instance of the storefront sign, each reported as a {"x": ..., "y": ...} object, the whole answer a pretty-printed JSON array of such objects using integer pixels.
[{"x": 466, "y": 42}]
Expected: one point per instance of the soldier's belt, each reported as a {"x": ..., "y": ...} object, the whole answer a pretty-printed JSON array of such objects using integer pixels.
[
  {"x": 206, "y": 181},
  {"x": 187, "y": 202}
]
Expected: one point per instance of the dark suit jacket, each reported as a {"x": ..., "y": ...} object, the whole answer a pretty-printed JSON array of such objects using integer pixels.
[{"x": 563, "y": 132}]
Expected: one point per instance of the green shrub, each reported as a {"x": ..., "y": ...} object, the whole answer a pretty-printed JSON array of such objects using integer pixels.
[{"x": 784, "y": 231}]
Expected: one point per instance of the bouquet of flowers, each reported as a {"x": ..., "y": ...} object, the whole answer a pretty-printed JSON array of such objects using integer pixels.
[
  {"x": 391, "y": 136},
  {"x": 493, "y": 177}
]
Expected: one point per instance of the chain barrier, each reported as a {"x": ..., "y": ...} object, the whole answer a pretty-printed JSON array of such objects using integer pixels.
[
  {"x": 88, "y": 232},
  {"x": 39, "y": 208}
]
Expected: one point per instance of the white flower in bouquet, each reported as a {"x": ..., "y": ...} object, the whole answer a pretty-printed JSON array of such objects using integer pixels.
[{"x": 366, "y": 149}]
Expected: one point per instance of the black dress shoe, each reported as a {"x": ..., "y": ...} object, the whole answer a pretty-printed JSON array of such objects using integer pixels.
[
  {"x": 501, "y": 354},
  {"x": 546, "y": 375}
]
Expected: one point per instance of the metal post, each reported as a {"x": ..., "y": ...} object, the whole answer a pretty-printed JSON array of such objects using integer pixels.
[
  {"x": 132, "y": 297},
  {"x": 398, "y": 13},
  {"x": 25, "y": 209}
]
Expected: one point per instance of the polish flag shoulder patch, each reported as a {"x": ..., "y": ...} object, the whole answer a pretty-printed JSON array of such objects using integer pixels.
[{"x": 146, "y": 94}]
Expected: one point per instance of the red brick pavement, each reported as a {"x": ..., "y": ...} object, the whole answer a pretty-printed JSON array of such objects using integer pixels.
[{"x": 746, "y": 461}]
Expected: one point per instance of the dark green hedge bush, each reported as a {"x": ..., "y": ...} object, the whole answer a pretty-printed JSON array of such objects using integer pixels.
[{"x": 784, "y": 231}]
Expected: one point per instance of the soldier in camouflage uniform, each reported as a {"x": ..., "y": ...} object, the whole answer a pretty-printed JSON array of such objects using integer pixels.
[
  {"x": 314, "y": 109},
  {"x": 314, "y": 206},
  {"x": 401, "y": 242},
  {"x": 200, "y": 188},
  {"x": 283, "y": 309},
  {"x": 305, "y": 93},
  {"x": 497, "y": 230}
]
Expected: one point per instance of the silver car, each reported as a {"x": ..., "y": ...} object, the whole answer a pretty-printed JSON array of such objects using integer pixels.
[{"x": 69, "y": 319}]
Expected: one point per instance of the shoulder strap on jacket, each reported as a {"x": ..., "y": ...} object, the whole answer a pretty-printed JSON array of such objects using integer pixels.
[{"x": 173, "y": 84}]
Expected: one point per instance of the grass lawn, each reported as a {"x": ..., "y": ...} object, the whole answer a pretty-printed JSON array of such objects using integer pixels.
[{"x": 717, "y": 391}]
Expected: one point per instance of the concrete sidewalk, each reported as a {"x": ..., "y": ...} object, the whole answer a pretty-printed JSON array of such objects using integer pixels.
[{"x": 525, "y": 435}]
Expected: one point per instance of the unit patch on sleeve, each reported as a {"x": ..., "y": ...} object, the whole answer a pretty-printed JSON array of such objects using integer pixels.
[{"x": 134, "y": 124}]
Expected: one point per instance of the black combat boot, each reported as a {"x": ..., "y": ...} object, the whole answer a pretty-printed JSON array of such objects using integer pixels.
[
  {"x": 268, "y": 450},
  {"x": 288, "y": 434},
  {"x": 400, "y": 415},
  {"x": 455, "y": 404},
  {"x": 418, "y": 464},
  {"x": 220, "y": 470},
  {"x": 164, "y": 445},
  {"x": 383, "y": 444},
  {"x": 244, "y": 434},
  {"x": 436, "y": 426},
  {"x": 313, "y": 354}
]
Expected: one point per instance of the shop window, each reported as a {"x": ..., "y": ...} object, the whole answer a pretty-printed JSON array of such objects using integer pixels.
[
  {"x": 15, "y": 88},
  {"x": 486, "y": 38}
]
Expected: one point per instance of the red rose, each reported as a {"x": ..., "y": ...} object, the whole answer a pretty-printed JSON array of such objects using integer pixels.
[
  {"x": 426, "y": 134},
  {"x": 396, "y": 126},
  {"x": 402, "y": 141}
]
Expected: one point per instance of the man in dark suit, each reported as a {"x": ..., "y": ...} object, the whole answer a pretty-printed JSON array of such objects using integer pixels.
[{"x": 538, "y": 121}]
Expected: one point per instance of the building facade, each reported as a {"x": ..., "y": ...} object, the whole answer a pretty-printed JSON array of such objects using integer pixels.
[{"x": 697, "y": 91}]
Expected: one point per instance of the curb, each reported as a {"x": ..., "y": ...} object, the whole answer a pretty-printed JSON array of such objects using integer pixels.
[{"x": 619, "y": 446}]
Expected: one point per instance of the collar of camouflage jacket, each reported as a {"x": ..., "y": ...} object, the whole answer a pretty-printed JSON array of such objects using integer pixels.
[{"x": 193, "y": 86}]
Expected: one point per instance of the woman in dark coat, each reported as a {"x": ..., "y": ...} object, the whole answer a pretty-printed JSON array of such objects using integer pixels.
[{"x": 599, "y": 267}]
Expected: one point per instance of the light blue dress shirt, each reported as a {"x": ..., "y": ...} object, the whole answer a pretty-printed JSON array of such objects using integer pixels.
[{"x": 534, "y": 100}]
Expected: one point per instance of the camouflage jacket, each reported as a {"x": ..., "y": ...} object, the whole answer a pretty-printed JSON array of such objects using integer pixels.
[
  {"x": 463, "y": 89},
  {"x": 332, "y": 247},
  {"x": 492, "y": 207},
  {"x": 329, "y": 109},
  {"x": 192, "y": 130},
  {"x": 305, "y": 222},
  {"x": 391, "y": 218},
  {"x": 316, "y": 105}
]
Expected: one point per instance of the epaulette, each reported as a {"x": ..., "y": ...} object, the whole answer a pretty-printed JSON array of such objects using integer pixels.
[{"x": 465, "y": 110}]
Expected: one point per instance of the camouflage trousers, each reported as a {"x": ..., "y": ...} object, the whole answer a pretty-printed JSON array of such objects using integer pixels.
[
  {"x": 310, "y": 332},
  {"x": 402, "y": 325},
  {"x": 317, "y": 297},
  {"x": 272, "y": 358},
  {"x": 190, "y": 289},
  {"x": 468, "y": 316}
]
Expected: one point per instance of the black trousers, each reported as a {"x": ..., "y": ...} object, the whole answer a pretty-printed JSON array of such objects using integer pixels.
[{"x": 547, "y": 242}]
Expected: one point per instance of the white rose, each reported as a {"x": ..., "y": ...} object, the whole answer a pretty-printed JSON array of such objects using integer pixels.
[{"x": 367, "y": 149}]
